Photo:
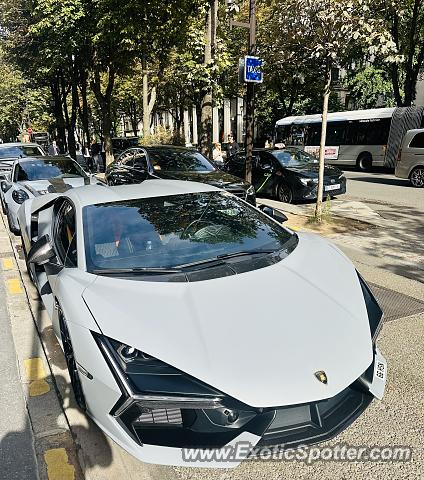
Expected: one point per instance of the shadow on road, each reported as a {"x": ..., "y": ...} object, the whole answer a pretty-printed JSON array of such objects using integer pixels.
[{"x": 382, "y": 180}]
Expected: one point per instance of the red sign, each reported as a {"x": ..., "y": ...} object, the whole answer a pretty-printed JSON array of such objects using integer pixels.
[{"x": 30, "y": 130}]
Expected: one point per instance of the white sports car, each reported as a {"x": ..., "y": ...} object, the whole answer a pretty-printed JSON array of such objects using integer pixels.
[
  {"x": 32, "y": 177},
  {"x": 191, "y": 320}
]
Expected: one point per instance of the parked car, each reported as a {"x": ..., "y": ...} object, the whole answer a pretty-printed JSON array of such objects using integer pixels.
[
  {"x": 182, "y": 315},
  {"x": 178, "y": 163},
  {"x": 32, "y": 177},
  {"x": 410, "y": 162},
  {"x": 10, "y": 151},
  {"x": 289, "y": 174}
]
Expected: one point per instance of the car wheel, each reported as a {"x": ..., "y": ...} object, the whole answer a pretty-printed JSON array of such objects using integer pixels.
[
  {"x": 71, "y": 363},
  {"x": 364, "y": 162},
  {"x": 417, "y": 177},
  {"x": 284, "y": 193}
]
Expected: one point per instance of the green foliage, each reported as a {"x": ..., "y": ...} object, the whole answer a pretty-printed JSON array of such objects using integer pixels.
[{"x": 370, "y": 88}]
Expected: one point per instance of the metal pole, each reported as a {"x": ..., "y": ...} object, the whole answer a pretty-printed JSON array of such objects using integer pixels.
[{"x": 250, "y": 97}]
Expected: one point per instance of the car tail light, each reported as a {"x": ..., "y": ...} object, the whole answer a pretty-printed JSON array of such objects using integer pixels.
[{"x": 399, "y": 156}]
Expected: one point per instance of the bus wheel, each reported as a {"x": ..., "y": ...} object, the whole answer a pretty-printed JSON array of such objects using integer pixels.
[
  {"x": 364, "y": 162},
  {"x": 417, "y": 177}
]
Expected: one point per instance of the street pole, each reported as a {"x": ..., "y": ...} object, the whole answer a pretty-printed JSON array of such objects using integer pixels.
[{"x": 250, "y": 97}]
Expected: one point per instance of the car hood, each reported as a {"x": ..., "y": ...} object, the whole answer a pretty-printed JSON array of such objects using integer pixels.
[
  {"x": 312, "y": 169},
  {"x": 259, "y": 336},
  {"x": 53, "y": 185},
  {"x": 217, "y": 178}
]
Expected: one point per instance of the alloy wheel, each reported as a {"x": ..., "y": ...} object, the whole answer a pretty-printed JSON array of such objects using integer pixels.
[
  {"x": 71, "y": 362},
  {"x": 417, "y": 177},
  {"x": 284, "y": 193}
]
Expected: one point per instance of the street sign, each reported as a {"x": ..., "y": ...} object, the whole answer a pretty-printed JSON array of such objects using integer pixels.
[
  {"x": 29, "y": 130},
  {"x": 253, "y": 70}
]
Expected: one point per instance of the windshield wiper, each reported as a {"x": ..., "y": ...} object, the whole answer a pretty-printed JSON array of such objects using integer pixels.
[
  {"x": 219, "y": 259},
  {"x": 142, "y": 270},
  {"x": 243, "y": 253}
]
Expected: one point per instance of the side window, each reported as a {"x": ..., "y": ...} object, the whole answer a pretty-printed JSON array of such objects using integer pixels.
[
  {"x": 140, "y": 161},
  {"x": 127, "y": 159},
  {"x": 240, "y": 158},
  {"x": 265, "y": 160},
  {"x": 417, "y": 141},
  {"x": 65, "y": 235}
]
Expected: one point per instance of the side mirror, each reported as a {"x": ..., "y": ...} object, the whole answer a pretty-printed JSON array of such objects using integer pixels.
[
  {"x": 5, "y": 186},
  {"x": 273, "y": 213},
  {"x": 41, "y": 252}
]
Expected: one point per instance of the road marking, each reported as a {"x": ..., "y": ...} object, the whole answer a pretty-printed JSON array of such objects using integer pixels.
[
  {"x": 38, "y": 387},
  {"x": 7, "y": 263},
  {"x": 58, "y": 467},
  {"x": 34, "y": 369},
  {"x": 14, "y": 286}
]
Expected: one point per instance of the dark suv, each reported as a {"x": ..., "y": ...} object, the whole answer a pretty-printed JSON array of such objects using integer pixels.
[
  {"x": 136, "y": 165},
  {"x": 288, "y": 175}
]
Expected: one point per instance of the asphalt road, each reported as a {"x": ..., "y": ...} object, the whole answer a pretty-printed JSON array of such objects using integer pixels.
[{"x": 379, "y": 187}]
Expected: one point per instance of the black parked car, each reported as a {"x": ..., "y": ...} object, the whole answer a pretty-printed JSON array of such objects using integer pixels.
[
  {"x": 179, "y": 163},
  {"x": 289, "y": 175}
]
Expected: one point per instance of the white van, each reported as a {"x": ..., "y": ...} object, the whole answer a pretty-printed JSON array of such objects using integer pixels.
[{"x": 410, "y": 162}]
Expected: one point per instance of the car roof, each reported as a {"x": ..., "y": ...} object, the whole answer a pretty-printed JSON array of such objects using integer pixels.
[
  {"x": 97, "y": 194},
  {"x": 18, "y": 144},
  {"x": 44, "y": 159},
  {"x": 168, "y": 147}
]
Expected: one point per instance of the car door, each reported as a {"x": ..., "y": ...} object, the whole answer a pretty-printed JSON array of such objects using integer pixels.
[
  {"x": 122, "y": 171},
  {"x": 140, "y": 167},
  {"x": 416, "y": 150},
  {"x": 65, "y": 243},
  {"x": 264, "y": 167},
  {"x": 237, "y": 165}
]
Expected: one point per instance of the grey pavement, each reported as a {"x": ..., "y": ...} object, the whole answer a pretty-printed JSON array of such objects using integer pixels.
[{"x": 17, "y": 455}]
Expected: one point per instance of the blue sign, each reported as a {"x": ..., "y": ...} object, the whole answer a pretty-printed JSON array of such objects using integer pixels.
[{"x": 253, "y": 70}]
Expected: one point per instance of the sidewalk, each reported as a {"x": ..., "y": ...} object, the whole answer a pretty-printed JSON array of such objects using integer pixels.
[{"x": 393, "y": 242}]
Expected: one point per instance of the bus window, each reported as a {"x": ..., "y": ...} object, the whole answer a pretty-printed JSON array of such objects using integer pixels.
[
  {"x": 336, "y": 132},
  {"x": 313, "y": 135}
]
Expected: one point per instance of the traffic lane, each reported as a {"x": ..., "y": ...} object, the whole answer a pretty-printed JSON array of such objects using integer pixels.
[{"x": 381, "y": 187}]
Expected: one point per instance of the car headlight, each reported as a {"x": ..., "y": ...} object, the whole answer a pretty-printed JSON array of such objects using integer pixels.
[
  {"x": 251, "y": 190},
  {"x": 308, "y": 181},
  {"x": 157, "y": 384},
  {"x": 19, "y": 196},
  {"x": 375, "y": 313}
]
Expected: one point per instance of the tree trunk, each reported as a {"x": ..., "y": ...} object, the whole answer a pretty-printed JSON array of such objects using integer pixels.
[
  {"x": 105, "y": 100},
  {"x": 58, "y": 110},
  {"x": 84, "y": 110},
  {"x": 207, "y": 106},
  {"x": 327, "y": 91}
]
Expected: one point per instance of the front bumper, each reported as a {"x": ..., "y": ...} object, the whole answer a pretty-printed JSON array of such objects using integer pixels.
[
  {"x": 311, "y": 192},
  {"x": 161, "y": 434}
]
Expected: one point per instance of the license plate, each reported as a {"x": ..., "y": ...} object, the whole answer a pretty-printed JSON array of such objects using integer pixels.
[
  {"x": 380, "y": 370},
  {"x": 332, "y": 187}
]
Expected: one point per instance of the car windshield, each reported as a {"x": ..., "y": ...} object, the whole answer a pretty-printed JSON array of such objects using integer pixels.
[
  {"x": 173, "y": 231},
  {"x": 179, "y": 161},
  {"x": 293, "y": 157},
  {"x": 20, "y": 151},
  {"x": 47, "y": 168}
]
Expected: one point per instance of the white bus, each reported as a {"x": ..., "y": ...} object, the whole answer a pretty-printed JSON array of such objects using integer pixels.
[{"x": 361, "y": 138}]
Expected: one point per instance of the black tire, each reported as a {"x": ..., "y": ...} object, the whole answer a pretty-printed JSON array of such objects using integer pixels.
[
  {"x": 417, "y": 177},
  {"x": 71, "y": 363},
  {"x": 284, "y": 193},
  {"x": 364, "y": 162}
]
